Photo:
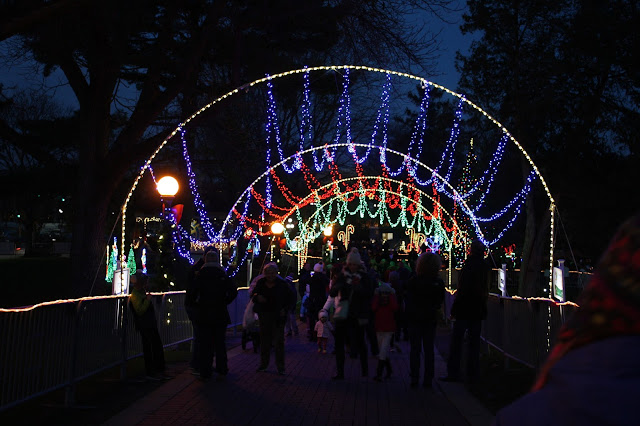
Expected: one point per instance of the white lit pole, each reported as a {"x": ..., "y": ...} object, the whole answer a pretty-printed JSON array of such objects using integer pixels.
[
  {"x": 276, "y": 229},
  {"x": 167, "y": 188}
]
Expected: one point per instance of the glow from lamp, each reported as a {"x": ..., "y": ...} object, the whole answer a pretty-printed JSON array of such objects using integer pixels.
[
  {"x": 277, "y": 228},
  {"x": 328, "y": 231},
  {"x": 167, "y": 186}
]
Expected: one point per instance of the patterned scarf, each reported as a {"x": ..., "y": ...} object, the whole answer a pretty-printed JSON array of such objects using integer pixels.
[{"x": 610, "y": 304}]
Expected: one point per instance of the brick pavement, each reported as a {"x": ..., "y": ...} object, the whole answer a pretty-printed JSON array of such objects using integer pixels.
[{"x": 305, "y": 395}]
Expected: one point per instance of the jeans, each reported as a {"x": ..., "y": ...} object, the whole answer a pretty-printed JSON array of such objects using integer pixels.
[
  {"x": 152, "y": 350},
  {"x": 473, "y": 359},
  {"x": 212, "y": 341},
  {"x": 421, "y": 338},
  {"x": 271, "y": 334},
  {"x": 358, "y": 346}
]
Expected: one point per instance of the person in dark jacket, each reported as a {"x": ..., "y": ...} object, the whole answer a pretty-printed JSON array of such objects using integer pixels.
[
  {"x": 354, "y": 285},
  {"x": 272, "y": 299},
  {"x": 303, "y": 278},
  {"x": 318, "y": 284},
  {"x": 291, "y": 324},
  {"x": 468, "y": 310},
  {"x": 592, "y": 374},
  {"x": 145, "y": 322},
  {"x": 425, "y": 294},
  {"x": 191, "y": 309},
  {"x": 212, "y": 291}
]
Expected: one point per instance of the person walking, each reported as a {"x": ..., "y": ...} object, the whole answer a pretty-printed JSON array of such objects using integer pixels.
[
  {"x": 323, "y": 330},
  {"x": 318, "y": 284},
  {"x": 145, "y": 322},
  {"x": 468, "y": 310},
  {"x": 425, "y": 294},
  {"x": 291, "y": 325},
  {"x": 191, "y": 309},
  {"x": 384, "y": 307},
  {"x": 271, "y": 298},
  {"x": 212, "y": 291},
  {"x": 352, "y": 285}
]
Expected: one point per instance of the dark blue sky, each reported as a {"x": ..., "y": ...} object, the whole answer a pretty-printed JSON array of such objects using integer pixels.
[{"x": 20, "y": 74}]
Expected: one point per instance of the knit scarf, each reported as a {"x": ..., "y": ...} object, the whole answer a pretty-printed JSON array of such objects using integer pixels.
[{"x": 610, "y": 304}]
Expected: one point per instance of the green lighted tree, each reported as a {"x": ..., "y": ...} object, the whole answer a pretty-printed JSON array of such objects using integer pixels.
[{"x": 131, "y": 261}]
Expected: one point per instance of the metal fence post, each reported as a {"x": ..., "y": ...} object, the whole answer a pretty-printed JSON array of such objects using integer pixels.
[
  {"x": 123, "y": 334},
  {"x": 70, "y": 389}
]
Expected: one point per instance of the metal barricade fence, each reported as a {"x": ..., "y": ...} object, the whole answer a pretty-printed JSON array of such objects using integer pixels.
[
  {"x": 522, "y": 329},
  {"x": 54, "y": 345}
]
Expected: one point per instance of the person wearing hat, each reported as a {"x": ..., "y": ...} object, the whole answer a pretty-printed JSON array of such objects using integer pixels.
[
  {"x": 212, "y": 291},
  {"x": 323, "y": 330},
  {"x": 271, "y": 298},
  {"x": 354, "y": 285},
  {"x": 592, "y": 375}
]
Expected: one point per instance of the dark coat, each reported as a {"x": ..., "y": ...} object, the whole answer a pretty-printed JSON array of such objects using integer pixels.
[
  {"x": 362, "y": 287},
  {"x": 318, "y": 284},
  {"x": 424, "y": 299},
  {"x": 210, "y": 294},
  {"x": 473, "y": 290},
  {"x": 278, "y": 298},
  {"x": 595, "y": 384}
]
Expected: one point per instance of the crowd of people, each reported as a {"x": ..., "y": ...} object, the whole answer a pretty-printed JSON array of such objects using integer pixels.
[
  {"x": 366, "y": 309},
  {"x": 366, "y": 305}
]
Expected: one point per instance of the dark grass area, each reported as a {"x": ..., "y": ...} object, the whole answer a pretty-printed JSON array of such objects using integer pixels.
[
  {"x": 97, "y": 398},
  {"x": 29, "y": 280},
  {"x": 501, "y": 380}
]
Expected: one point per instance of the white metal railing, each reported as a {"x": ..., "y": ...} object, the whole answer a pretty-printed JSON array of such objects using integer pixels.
[{"x": 54, "y": 345}]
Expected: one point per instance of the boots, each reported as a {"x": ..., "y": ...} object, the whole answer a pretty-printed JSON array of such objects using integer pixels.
[
  {"x": 387, "y": 362},
  {"x": 378, "y": 376}
]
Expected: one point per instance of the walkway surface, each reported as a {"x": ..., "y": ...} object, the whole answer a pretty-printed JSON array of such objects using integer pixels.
[{"x": 306, "y": 395}]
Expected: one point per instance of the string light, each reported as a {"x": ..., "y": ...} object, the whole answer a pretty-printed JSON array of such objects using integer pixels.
[{"x": 343, "y": 131}]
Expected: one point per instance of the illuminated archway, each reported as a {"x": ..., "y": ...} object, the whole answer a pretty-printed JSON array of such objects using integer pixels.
[{"x": 442, "y": 180}]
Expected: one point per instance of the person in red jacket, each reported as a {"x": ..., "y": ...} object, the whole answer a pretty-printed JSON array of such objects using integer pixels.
[{"x": 384, "y": 307}]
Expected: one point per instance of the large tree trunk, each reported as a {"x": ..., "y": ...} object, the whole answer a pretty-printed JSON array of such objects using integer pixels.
[
  {"x": 88, "y": 249},
  {"x": 534, "y": 255}
]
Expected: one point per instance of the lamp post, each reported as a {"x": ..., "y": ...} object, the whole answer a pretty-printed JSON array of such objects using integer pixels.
[
  {"x": 167, "y": 188},
  {"x": 276, "y": 229}
]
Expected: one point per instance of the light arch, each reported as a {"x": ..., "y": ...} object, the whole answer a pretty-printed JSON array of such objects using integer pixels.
[{"x": 422, "y": 80}]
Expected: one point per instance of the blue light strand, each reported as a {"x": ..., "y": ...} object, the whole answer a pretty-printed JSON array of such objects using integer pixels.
[
  {"x": 197, "y": 200},
  {"x": 382, "y": 115},
  {"x": 453, "y": 138},
  {"x": 493, "y": 165},
  {"x": 306, "y": 125},
  {"x": 344, "y": 112},
  {"x": 419, "y": 130},
  {"x": 273, "y": 131},
  {"x": 491, "y": 168},
  {"x": 519, "y": 197}
]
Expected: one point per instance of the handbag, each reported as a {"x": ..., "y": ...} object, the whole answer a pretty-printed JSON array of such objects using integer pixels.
[
  {"x": 342, "y": 309},
  {"x": 248, "y": 319}
]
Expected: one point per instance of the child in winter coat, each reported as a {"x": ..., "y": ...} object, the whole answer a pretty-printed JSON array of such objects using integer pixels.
[
  {"x": 384, "y": 307},
  {"x": 323, "y": 328}
]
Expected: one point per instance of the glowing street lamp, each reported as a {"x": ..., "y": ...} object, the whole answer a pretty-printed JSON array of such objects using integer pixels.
[
  {"x": 167, "y": 188},
  {"x": 328, "y": 230},
  {"x": 277, "y": 228}
]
